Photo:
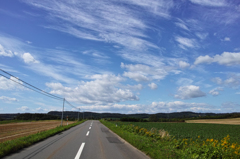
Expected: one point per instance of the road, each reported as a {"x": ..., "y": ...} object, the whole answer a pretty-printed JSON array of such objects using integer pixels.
[{"x": 89, "y": 140}]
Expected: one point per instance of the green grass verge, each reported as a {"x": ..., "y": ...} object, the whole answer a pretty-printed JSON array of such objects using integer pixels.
[
  {"x": 156, "y": 149},
  {"x": 23, "y": 142}
]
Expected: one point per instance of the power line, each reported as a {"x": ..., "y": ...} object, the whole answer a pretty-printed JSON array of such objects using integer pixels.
[
  {"x": 71, "y": 104},
  {"x": 31, "y": 85},
  {"x": 38, "y": 90},
  {"x": 30, "y": 88}
]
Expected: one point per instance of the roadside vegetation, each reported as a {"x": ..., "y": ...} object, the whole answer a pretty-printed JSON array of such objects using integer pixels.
[
  {"x": 193, "y": 130},
  {"x": 23, "y": 142},
  {"x": 159, "y": 142}
]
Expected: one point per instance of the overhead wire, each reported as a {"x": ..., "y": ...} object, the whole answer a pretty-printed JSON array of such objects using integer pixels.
[
  {"x": 35, "y": 88},
  {"x": 30, "y": 88},
  {"x": 30, "y": 85}
]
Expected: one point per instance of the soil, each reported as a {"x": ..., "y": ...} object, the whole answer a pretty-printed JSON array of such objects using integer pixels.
[{"x": 15, "y": 130}]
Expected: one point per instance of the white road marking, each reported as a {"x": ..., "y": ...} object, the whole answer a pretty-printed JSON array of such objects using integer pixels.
[
  {"x": 80, "y": 151},
  {"x": 89, "y": 127},
  {"x": 87, "y": 133}
]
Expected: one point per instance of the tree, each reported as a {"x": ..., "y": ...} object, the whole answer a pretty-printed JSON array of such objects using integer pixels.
[{"x": 153, "y": 118}]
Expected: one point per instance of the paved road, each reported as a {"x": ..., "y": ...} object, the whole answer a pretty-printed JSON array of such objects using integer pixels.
[{"x": 89, "y": 140}]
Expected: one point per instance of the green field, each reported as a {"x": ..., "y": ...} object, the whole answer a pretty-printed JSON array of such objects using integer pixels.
[{"x": 193, "y": 130}]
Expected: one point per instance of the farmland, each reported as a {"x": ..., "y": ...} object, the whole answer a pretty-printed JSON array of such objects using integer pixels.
[
  {"x": 193, "y": 130},
  {"x": 15, "y": 130},
  {"x": 232, "y": 121}
]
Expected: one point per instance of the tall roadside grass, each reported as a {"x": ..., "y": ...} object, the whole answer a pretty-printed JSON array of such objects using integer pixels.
[
  {"x": 159, "y": 144},
  {"x": 23, "y": 142},
  {"x": 154, "y": 143}
]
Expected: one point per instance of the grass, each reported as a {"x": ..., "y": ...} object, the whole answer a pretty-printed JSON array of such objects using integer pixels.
[
  {"x": 158, "y": 144},
  {"x": 193, "y": 130},
  {"x": 23, "y": 142},
  {"x": 154, "y": 148}
]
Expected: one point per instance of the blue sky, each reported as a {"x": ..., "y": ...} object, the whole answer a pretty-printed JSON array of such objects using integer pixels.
[{"x": 127, "y": 56}]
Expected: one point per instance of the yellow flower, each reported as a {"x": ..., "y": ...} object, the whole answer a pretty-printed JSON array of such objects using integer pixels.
[
  {"x": 211, "y": 140},
  {"x": 198, "y": 136}
]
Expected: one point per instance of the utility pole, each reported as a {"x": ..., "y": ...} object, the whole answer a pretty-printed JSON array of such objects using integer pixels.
[
  {"x": 62, "y": 111},
  {"x": 83, "y": 115},
  {"x": 78, "y": 114}
]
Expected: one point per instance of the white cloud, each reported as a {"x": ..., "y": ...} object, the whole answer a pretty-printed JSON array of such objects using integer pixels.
[
  {"x": 23, "y": 108},
  {"x": 213, "y": 3},
  {"x": 186, "y": 42},
  {"x": 226, "y": 58},
  {"x": 101, "y": 89},
  {"x": 103, "y": 20},
  {"x": 183, "y": 64},
  {"x": 178, "y": 106},
  {"x": 136, "y": 76},
  {"x": 217, "y": 80},
  {"x": 95, "y": 53},
  {"x": 202, "y": 36},
  {"x": 233, "y": 81},
  {"x": 184, "y": 81},
  {"x": 215, "y": 91},
  {"x": 237, "y": 92},
  {"x": 188, "y": 92},
  {"x": 182, "y": 25},
  {"x": 28, "y": 58},
  {"x": 4, "y": 52},
  {"x": 8, "y": 99},
  {"x": 6, "y": 84},
  {"x": 230, "y": 107},
  {"x": 226, "y": 39},
  {"x": 141, "y": 72},
  {"x": 153, "y": 86},
  {"x": 134, "y": 87},
  {"x": 203, "y": 59}
]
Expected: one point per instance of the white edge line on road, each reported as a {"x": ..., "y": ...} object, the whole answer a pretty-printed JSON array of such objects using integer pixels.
[
  {"x": 80, "y": 151},
  {"x": 87, "y": 133}
]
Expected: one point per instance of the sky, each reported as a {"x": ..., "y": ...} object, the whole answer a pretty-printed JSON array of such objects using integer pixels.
[{"x": 121, "y": 56}]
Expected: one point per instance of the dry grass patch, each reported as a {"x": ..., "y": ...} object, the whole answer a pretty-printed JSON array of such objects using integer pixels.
[{"x": 233, "y": 121}]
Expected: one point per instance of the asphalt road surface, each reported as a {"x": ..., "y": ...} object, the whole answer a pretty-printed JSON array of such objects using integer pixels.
[{"x": 89, "y": 140}]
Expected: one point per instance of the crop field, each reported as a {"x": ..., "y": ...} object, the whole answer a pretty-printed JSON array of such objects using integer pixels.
[
  {"x": 15, "y": 130},
  {"x": 233, "y": 121},
  {"x": 193, "y": 130}
]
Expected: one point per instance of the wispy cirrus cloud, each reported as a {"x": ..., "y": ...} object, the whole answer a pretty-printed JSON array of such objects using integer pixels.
[
  {"x": 212, "y": 3},
  {"x": 109, "y": 22},
  {"x": 186, "y": 42}
]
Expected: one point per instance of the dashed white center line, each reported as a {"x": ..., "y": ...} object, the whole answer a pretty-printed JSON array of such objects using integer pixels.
[
  {"x": 89, "y": 127},
  {"x": 80, "y": 151},
  {"x": 87, "y": 133}
]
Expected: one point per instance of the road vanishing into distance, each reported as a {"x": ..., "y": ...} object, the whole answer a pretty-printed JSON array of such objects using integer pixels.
[{"x": 89, "y": 140}]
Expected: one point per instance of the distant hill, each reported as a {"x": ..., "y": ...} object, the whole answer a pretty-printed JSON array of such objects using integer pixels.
[{"x": 72, "y": 115}]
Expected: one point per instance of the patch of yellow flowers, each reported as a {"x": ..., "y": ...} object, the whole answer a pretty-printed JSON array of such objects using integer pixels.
[{"x": 222, "y": 148}]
